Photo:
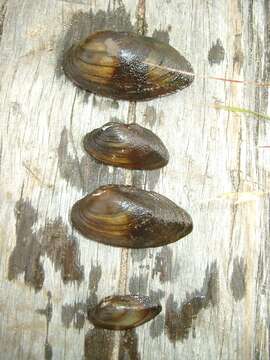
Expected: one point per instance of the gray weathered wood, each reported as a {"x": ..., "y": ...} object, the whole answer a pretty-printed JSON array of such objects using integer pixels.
[{"x": 214, "y": 284}]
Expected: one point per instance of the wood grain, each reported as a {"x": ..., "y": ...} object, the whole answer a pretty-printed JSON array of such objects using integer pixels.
[{"x": 214, "y": 284}]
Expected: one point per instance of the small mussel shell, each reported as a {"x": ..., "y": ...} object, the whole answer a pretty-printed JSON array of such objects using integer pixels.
[
  {"x": 125, "y": 216},
  {"x": 123, "y": 312},
  {"x": 126, "y": 145},
  {"x": 127, "y": 66}
]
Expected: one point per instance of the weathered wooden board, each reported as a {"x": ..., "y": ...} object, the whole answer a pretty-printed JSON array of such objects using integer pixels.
[{"x": 214, "y": 284}]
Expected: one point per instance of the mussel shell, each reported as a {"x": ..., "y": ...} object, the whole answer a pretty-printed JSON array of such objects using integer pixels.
[
  {"x": 125, "y": 216},
  {"x": 123, "y": 312},
  {"x": 126, "y": 145},
  {"x": 114, "y": 64}
]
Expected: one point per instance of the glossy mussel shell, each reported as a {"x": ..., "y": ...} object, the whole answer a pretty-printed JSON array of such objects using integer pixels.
[
  {"x": 123, "y": 312},
  {"x": 126, "y": 145},
  {"x": 125, "y": 216},
  {"x": 127, "y": 66}
]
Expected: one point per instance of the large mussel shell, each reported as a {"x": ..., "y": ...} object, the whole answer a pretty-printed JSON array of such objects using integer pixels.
[
  {"x": 117, "y": 65},
  {"x": 123, "y": 312},
  {"x": 127, "y": 145},
  {"x": 125, "y": 216}
]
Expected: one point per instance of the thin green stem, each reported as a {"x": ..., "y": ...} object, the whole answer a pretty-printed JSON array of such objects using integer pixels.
[{"x": 236, "y": 109}]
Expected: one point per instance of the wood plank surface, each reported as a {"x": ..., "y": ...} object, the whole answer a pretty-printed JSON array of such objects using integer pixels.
[{"x": 213, "y": 284}]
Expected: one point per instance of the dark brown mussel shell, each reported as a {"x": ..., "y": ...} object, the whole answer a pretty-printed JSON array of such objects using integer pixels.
[
  {"x": 129, "y": 217},
  {"x": 123, "y": 312},
  {"x": 126, "y": 145},
  {"x": 127, "y": 66}
]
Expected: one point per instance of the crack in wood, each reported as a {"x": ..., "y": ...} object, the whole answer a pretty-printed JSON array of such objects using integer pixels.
[
  {"x": 125, "y": 347},
  {"x": 141, "y": 17},
  {"x": 122, "y": 285},
  {"x": 3, "y": 11},
  {"x": 47, "y": 312}
]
